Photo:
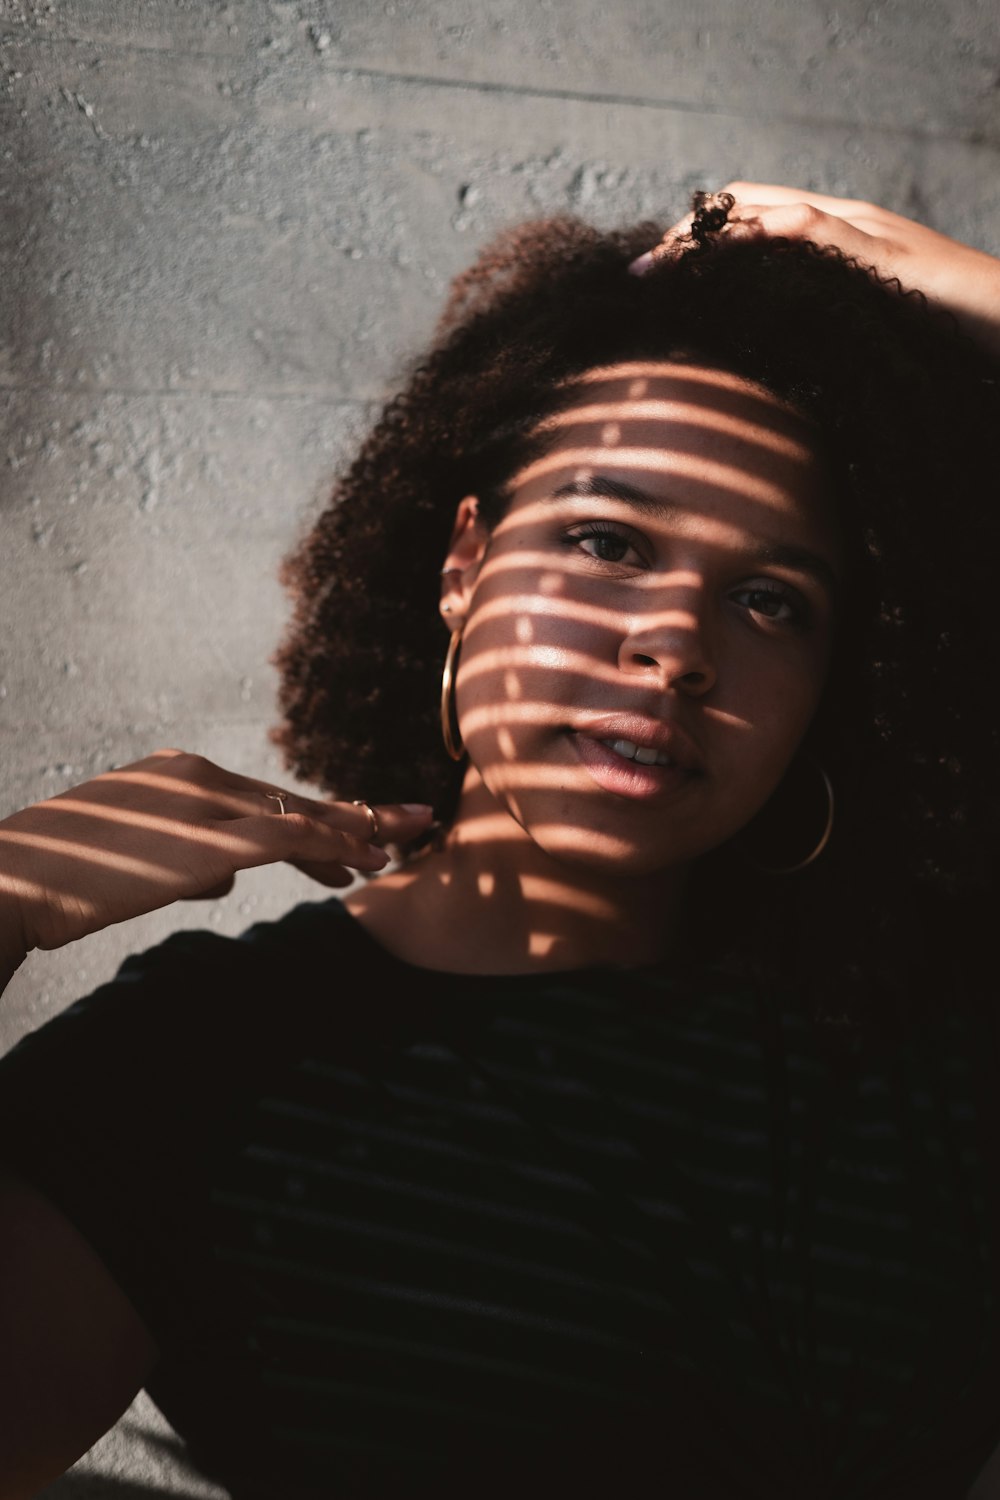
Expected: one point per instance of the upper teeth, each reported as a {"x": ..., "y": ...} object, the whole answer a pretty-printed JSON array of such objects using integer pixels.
[{"x": 644, "y": 754}]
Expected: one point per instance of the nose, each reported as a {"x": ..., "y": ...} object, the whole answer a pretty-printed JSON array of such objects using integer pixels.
[{"x": 670, "y": 648}]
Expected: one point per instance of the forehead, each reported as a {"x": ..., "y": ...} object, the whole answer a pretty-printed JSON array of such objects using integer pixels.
[
  {"x": 691, "y": 391},
  {"x": 699, "y": 438}
]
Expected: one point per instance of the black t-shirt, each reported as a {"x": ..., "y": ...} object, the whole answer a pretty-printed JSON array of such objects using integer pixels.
[{"x": 399, "y": 1233}]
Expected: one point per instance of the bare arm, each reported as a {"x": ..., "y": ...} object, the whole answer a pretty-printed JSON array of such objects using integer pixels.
[
  {"x": 951, "y": 275},
  {"x": 75, "y": 1351}
]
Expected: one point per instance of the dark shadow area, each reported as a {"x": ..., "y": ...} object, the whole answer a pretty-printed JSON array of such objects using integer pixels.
[{"x": 106, "y": 1487}]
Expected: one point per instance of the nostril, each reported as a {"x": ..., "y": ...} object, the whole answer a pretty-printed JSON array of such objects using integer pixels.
[{"x": 645, "y": 661}]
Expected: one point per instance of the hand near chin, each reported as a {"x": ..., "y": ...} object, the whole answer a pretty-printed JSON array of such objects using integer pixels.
[
  {"x": 951, "y": 275},
  {"x": 171, "y": 827}
]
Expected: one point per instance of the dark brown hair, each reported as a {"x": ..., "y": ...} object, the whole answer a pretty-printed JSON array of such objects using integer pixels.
[{"x": 908, "y": 413}]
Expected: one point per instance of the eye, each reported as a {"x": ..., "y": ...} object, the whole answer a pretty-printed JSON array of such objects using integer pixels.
[
  {"x": 607, "y": 542},
  {"x": 774, "y": 602}
]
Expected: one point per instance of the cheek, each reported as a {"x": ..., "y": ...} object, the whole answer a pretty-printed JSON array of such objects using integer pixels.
[
  {"x": 529, "y": 651},
  {"x": 776, "y": 705},
  {"x": 507, "y": 687},
  {"x": 492, "y": 693}
]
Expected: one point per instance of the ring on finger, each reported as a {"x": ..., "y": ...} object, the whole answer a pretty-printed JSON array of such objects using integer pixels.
[
  {"x": 372, "y": 818},
  {"x": 280, "y": 797}
]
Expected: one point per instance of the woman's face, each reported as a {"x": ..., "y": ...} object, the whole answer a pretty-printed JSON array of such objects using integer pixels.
[{"x": 648, "y": 629}]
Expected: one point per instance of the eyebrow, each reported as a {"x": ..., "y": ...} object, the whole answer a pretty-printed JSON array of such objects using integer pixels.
[{"x": 768, "y": 554}]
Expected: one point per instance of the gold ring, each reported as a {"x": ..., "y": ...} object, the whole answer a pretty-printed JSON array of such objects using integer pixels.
[
  {"x": 279, "y": 797},
  {"x": 372, "y": 819}
]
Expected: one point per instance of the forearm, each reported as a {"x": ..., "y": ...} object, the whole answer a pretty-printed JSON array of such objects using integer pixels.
[{"x": 953, "y": 276}]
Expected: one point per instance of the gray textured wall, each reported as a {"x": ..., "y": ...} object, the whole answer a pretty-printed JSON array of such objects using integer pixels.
[{"x": 224, "y": 225}]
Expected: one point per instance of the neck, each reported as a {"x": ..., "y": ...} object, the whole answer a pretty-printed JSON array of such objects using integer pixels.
[{"x": 489, "y": 900}]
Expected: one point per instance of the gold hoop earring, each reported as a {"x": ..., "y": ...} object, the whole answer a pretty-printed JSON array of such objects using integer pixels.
[
  {"x": 450, "y": 732},
  {"x": 821, "y": 844}
]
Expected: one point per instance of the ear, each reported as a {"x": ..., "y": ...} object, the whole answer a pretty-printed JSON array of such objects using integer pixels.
[{"x": 461, "y": 566}]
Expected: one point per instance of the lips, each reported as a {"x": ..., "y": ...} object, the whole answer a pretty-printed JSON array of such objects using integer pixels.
[
  {"x": 636, "y": 757},
  {"x": 643, "y": 740}
]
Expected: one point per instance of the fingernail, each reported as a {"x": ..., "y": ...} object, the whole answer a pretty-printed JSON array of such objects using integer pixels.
[
  {"x": 417, "y": 807},
  {"x": 378, "y": 852},
  {"x": 641, "y": 266}
]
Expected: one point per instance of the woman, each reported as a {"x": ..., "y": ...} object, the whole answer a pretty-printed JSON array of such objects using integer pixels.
[{"x": 636, "y": 1125}]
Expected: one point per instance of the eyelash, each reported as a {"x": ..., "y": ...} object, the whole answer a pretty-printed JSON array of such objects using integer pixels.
[
  {"x": 798, "y": 615},
  {"x": 603, "y": 530},
  {"x": 797, "y": 618}
]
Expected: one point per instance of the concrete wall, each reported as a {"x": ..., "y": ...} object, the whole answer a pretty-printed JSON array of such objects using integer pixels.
[{"x": 224, "y": 225}]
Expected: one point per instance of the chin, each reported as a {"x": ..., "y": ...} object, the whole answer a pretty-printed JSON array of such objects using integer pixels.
[{"x": 610, "y": 855}]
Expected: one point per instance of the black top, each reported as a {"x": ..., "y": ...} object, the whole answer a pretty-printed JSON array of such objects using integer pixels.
[{"x": 400, "y": 1233}]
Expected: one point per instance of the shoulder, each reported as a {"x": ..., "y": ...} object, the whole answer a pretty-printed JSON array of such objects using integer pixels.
[
  {"x": 162, "y": 1061},
  {"x": 313, "y": 930},
  {"x": 197, "y": 1007}
]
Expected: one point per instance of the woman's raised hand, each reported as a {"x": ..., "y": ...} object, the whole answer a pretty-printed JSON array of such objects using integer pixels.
[
  {"x": 170, "y": 827},
  {"x": 951, "y": 275}
]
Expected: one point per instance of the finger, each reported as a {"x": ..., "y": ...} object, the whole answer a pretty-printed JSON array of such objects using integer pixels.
[
  {"x": 674, "y": 242},
  {"x": 396, "y": 822},
  {"x": 802, "y": 221},
  {"x": 216, "y": 893},
  {"x": 772, "y": 195},
  {"x": 332, "y": 875},
  {"x": 386, "y": 823},
  {"x": 222, "y": 795},
  {"x": 671, "y": 246},
  {"x": 294, "y": 837},
  {"x": 186, "y": 785},
  {"x": 217, "y": 792},
  {"x": 808, "y": 217},
  {"x": 681, "y": 229}
]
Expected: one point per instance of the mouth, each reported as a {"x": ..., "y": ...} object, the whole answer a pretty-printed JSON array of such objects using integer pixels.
[
  {"x": 630, "y": 769},
  {"x": 646, "y": 755}
]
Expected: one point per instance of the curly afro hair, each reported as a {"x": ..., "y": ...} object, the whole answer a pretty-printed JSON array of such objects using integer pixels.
[{"x": 907, "y": 409}]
